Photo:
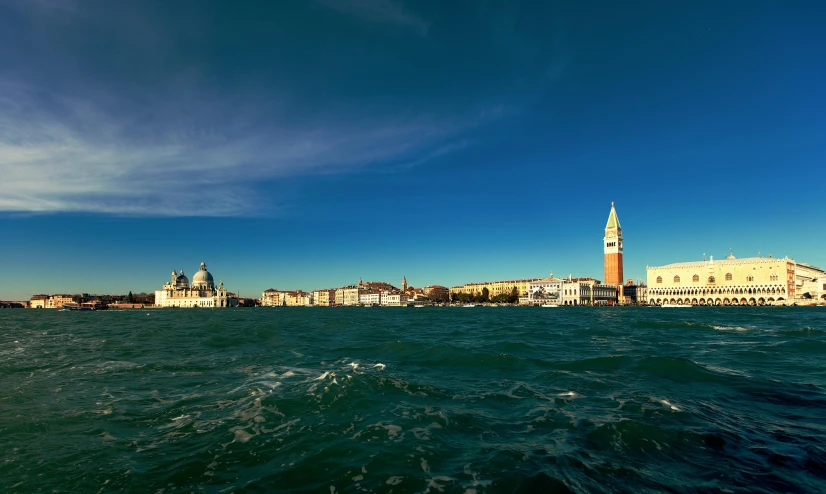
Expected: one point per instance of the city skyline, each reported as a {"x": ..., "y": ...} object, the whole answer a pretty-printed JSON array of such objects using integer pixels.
[{"x": 305, "y": 146}]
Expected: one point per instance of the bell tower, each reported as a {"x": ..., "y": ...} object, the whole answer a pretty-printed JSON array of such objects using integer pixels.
[
  {"x": 612, "y": 245},
  {"x": 404, "y": 284}
]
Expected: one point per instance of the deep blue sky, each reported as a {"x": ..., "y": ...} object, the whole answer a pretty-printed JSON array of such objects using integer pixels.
[{"x": 305, "y": 144}]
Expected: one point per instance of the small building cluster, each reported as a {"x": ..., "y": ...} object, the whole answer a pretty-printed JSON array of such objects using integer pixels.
[
  {"x": 49, "y": 301},
  {"x": 370, "y": 293}
]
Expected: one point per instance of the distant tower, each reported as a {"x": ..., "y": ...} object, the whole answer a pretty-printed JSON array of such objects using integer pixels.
[
  {"x": 613, "y": 249},
  {"x": 404, "y": 283}
]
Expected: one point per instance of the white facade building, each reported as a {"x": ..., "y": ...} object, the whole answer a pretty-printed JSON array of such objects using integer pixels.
[
  {"x": 543, "y": 291},
  {"x": 370, "y": 298},
  {"x": 202, "y": 293},
  {"x": 579, "y": 292},
  {"x": 394, "y": 299}
]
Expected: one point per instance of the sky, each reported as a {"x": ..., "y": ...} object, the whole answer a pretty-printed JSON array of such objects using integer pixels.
[{"x": 307, "y": 144}]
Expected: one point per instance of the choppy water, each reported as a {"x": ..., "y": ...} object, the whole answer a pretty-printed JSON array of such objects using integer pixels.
[{"x": 414, "y": 400}]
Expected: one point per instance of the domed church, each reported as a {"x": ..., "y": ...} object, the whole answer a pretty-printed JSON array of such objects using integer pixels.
[{"x": 178, "y": 292}]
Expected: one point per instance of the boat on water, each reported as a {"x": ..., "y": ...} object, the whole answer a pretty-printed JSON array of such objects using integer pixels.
[
  {"x": 549, "y": 305},
  {"x": 76, "y": 306},
  {"x": 674, "y": 305},
  {"x": 469, "y": 305}
]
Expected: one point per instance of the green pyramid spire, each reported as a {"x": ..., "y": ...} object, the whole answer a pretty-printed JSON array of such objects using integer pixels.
[{"x": 613, "y": 221}]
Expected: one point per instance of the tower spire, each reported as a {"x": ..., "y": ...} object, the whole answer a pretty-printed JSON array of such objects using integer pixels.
[{"x": 613, "y": 221}]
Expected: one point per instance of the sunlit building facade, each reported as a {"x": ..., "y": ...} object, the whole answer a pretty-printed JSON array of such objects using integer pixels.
[{"x": 731, "y": 281}]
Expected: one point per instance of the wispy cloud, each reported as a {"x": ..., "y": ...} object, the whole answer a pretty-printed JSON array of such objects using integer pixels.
[
  {"x": 378, "y": 11},
  {"x": 72, "y": 155}
]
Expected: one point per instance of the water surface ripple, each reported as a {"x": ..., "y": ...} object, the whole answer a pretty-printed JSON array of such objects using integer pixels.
[{"x": 484, "y": 399}]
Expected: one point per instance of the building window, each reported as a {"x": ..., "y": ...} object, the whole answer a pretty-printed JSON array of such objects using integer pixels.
[
  {"x": 728, "y": 276},
  {"x": 696, "y": 279},
  {"x": 659, "y": 279},
  {"x": 749, "y": 278},
  {"x": 711, "y": 279},
  {"x": 676, "y": 279},
  {"x": 773, "y": 277}
]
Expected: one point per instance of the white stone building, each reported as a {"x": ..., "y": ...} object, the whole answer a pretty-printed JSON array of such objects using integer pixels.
[
  {"x": 370, "y": 298},
  {"x": 201, "y": 293},
  {"x": 393, "y": 299},
  {"x": 543, "y": 291},
  {"x": 588, "y": 292}
]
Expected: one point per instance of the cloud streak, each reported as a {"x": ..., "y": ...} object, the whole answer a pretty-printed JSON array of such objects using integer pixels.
[
  {"x": 378, "y": 11},
  {"x": 76, "y": 156}
]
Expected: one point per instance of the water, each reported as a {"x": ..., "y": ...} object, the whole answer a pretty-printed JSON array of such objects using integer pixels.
[{"x": 414, "y": 400}]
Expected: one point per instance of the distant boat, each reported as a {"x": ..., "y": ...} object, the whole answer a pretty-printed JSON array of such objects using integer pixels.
[
  {"x": 76, "y": 306},
  {"x": 674, "y": 305},
  {"x": 469, "y": 305},
  {"x": 549, "y": 305}
]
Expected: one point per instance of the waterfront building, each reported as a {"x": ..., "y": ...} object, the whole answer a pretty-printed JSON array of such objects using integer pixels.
[
  {"x": 324, "y": 298},
  {"x": 370, "y": 297},
  {"x": 810, "y": 284},
  {"x": 349, "y": 295},
  {"x": 587, "y": 291},
  {"x": 496, "y": 287},
  {"x": 201, "y": 293},
  {"x": 732, "y": 281},
  {"x": 270, "y": 298},
  {"x": 414, "y": 293},
  {"x": 58, "y": 301},
  {"x": 437, "y": 293},
  {"x": 634, "y": 293},
  {"x": 297, "y": 298},
  {"x": 278, "y": 298},
  {"x": 393, "y": 299},
  {"x": 49, "y": 301},
  {"x": 543, "y": 291}
]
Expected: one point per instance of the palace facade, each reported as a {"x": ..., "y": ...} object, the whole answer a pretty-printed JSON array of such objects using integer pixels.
[
  {"x": 732, "y": 281},
  {"x": 201, "y": 293}
]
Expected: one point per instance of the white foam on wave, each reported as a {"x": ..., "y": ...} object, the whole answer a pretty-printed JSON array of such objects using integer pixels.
[
  {"x": 394, "y": 480},
  {"x": 569, "y": 394},
  {"x": 668, "y": 404},
  {"x": 731, "y": 328},
  {"x": 380, "y": 366}
]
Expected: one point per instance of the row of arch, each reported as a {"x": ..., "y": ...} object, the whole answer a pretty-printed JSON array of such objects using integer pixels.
[
  {"x": 728, "y": 290},
  {"x": 712, "y": 279},
  {"x": 716, "y": 301}
]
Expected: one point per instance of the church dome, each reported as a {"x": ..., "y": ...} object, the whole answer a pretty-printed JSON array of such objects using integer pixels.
[
  {"x": 182, "y": 280},
  {"x": 203, "y": 276}
]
